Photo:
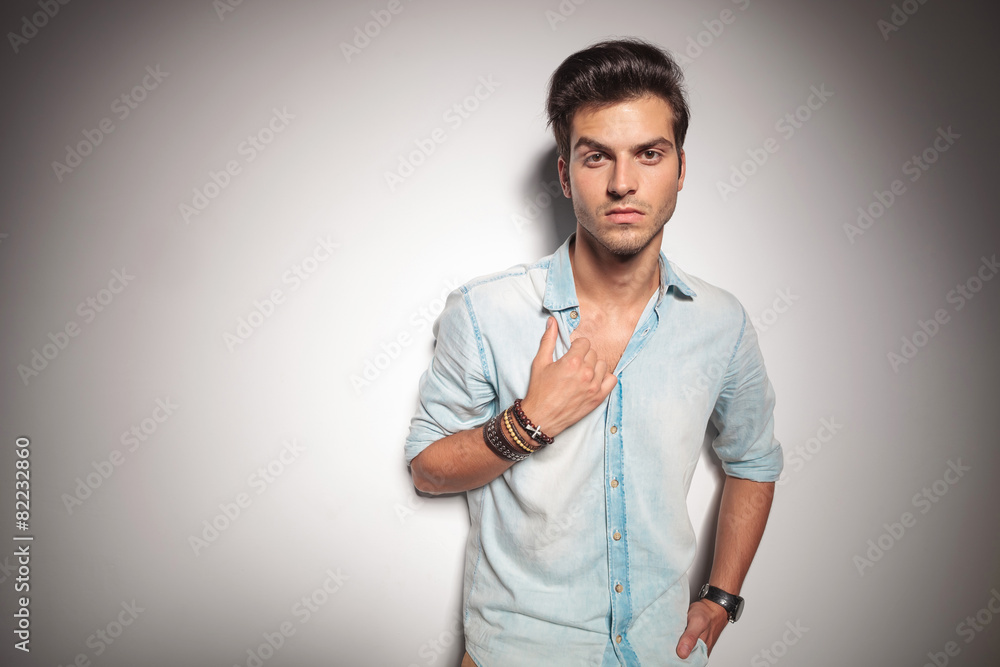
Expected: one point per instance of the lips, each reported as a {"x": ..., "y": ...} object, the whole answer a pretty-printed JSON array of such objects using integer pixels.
[{"x": 624, "y": 214}]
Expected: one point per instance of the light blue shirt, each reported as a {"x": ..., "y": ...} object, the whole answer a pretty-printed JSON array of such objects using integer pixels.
[{"x": 579, "y": 555}]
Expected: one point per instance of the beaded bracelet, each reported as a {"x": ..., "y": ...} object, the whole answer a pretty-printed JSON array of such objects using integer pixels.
[
  {"x": 498, "y": 444},
  {"x": 534, "y": 431},
  {"x": 514, "y": 435}
]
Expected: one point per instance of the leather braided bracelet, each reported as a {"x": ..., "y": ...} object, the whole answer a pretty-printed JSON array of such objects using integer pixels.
[
  {"x": 534, "y": 431},
  {"x": 494, "y": 438},
  {"x": 512, "y": 432}
]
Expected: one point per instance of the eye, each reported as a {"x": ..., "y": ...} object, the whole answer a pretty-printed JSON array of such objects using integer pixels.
[
  {"x": 594, "y": 158},
  {"x": 651, "y": 155}
]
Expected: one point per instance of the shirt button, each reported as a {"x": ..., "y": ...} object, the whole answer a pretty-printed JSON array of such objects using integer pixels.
[
  {"x": 614, "y": 484},
  {"x": 617, "y": 536},
  {"x": 614, "y": 429},
  {"x": 573, "y": 315},
  {"x": 618, "y": 639},
  {"x": 645, "y": 332},
  {"x": 618, "y": 588}
]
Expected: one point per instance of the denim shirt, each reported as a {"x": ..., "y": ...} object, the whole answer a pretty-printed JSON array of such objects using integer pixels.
[{"x": 579, "y": 554}]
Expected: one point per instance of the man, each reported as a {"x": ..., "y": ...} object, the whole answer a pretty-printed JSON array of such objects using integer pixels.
[{"x": 579, "y": 549}]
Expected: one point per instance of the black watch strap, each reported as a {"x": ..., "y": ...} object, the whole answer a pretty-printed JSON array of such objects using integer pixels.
[{"x": 733, "y": 604}]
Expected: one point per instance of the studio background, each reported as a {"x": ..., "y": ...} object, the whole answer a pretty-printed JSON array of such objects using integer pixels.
[{"x": 265, "y": 204}]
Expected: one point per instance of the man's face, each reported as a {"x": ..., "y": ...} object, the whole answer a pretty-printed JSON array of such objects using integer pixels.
[{"x": 623, "y": 173}]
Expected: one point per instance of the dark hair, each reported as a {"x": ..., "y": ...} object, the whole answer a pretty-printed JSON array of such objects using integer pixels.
[{"x": 610, "y": 72}]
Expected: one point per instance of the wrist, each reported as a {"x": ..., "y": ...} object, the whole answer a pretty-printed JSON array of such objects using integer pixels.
[
  {"x": 716, "y": 611},
  {"x": 539, "y": 417},
  {"x": 731, "y": 605}
]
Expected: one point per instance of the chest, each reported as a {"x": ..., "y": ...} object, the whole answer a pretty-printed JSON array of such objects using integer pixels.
[{"x": 608, "y": 334}]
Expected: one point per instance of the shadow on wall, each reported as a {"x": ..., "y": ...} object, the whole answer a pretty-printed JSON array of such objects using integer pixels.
[
  {"x": 544, "y": 204},
  {"x": 705, "y": 534}
]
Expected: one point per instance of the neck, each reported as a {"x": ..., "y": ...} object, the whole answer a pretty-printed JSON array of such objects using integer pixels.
[{"x": 605, "y": 278}]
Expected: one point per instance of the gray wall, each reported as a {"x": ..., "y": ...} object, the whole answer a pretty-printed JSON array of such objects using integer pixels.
[{"x": 274, "y": 292}]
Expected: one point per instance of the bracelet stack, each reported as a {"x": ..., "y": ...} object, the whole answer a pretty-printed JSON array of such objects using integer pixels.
[
  {"x": 501, "y": 436},
  {"x": 534, "y": 431}
]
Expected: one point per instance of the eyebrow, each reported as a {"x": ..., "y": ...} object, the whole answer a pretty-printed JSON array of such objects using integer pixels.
[{"x": 637, "y": 148}]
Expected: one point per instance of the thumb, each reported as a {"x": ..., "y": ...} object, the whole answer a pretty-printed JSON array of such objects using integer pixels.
[
  {"x": 547, "y": 346},
  {"x": 695, "y": 627},
  {"x": 686, "y": 643}
]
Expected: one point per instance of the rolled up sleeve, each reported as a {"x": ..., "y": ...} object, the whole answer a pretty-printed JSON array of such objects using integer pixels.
[
  {"x": 456, "y": 392},
  {"x": 744, "y": 415}
]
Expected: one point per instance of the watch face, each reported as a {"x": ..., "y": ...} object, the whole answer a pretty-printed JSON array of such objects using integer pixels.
[{"x": 739, "y": 611}]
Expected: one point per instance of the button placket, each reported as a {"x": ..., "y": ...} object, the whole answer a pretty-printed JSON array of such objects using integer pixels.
[{"x": 621, "y": 612}]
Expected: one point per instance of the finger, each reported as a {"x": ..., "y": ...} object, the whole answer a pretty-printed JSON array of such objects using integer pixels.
[
  {"x": 547, "y": 346},
  {"x": 578, "y": 348},
  {"x": 609, "y": 382}
]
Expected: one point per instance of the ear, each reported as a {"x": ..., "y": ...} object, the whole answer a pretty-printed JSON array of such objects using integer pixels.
[
  {"x": 680, "y": 178},
  {"x": 564, "y": 177}
]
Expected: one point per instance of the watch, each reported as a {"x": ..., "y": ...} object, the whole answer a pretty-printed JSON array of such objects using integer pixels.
[{"x": 733, "y": 604}]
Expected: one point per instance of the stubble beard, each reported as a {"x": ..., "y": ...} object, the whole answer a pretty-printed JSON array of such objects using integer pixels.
[{"x": 621, "y": 240}]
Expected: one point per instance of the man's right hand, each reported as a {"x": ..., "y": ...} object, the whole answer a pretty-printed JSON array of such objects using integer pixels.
[{"x": 561, "y": 393}]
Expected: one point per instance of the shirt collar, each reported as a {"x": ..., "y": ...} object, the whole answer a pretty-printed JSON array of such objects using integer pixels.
[{"x": 560, "y": 290}]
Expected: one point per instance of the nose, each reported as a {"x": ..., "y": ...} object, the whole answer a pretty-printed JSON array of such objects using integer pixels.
[{"x": 624, "y": 179}]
